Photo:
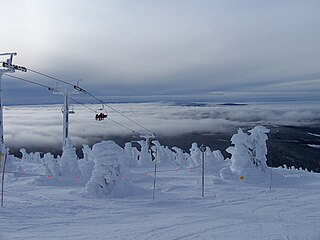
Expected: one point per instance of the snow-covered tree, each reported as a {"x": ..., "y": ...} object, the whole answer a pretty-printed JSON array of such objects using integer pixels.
[
  {"x": 69, "y": 164},
  {"x": 51, "y": 165},
  {"x": 107, "y": 175},
  {"x": 145, "y": 159},
  {"x": 131, "y": 155},
  {"x": 249, "y": 150},
  {"x": 164, "y": 154},
  {"x": 24, "y": 153},
  {"x": 86, "y": 164},
  {"x": 181, "y": 158},
  {"x": 214, "y": 160},
  {"x": 258, "y": 146},
  {"x": 30, "y": 157},
  {"x": 195, "y": 154}
]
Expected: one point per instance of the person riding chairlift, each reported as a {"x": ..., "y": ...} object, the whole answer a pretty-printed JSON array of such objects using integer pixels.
[{"x": 100, "y": 116}]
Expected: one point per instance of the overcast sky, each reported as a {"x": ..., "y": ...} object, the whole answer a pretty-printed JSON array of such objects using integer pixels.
[{"x": 165, "y": 47}]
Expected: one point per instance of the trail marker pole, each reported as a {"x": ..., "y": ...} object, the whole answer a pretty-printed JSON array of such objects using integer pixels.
[
  {"x": 202, "y": 149},
  {"x": 155, "y": 173},
  {"x": 271, "y": 174},
  {"x": 270, "y": 179},
  {"x": 2, "y": 181}
]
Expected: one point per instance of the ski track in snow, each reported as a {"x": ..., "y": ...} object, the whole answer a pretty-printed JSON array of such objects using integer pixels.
[{"x": 230, "y": 210}]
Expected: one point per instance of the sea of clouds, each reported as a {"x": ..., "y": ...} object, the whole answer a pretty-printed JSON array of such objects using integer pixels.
[{"x": 42, "y": 125}]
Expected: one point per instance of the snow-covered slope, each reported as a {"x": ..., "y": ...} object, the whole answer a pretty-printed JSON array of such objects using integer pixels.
[
  {"x": 231, "y": 209},
  {"x": 110, "y": 196}
]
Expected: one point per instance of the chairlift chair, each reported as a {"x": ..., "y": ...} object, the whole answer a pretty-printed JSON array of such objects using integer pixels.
[
  {"x": 101, "y": 114},
  {"x": 71, "y": 109}
]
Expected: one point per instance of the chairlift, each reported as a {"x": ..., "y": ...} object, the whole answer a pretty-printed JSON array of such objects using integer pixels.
[
  {"x": 101, "y": 114},
  {"x": 71, "y": 109}
]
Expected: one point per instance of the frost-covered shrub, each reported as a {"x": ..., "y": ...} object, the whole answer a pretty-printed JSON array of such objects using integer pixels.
[
  {"x": 107, "y": 176},
  {"x": 249, "y": 150}
]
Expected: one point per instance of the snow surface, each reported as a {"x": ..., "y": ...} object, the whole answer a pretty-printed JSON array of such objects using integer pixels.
[
  {"x": 265, "y": 203},
  {"x": 230, "y": 209}
]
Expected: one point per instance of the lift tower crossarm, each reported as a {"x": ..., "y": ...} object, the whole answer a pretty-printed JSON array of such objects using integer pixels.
[{"x": 2, "y": 54}]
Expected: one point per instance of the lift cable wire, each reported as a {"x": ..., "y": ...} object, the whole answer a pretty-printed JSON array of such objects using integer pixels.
[
  {"x": 28, "y": 81},
  {"x": 91, "y": 109},
  {"x": 45, "y": 75},
  {"x": 52, "y": 89},
  {"x": 93, "y": 96}
]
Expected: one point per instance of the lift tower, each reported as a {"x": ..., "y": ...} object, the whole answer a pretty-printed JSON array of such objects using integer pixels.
[
  {"x": 7, "y": 67},
  {"x": 66, "y": 91}
]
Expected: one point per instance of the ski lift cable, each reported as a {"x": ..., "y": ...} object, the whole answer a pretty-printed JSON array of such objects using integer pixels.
[
  {"x": 91, "y": 109},
  {"x": 120, "y": 113},
  {"x": 123, "y": 126},
  {"x": 93, "y": 96},
  {"x": 84, "y": 105},
  {"x": 48, "y": 76},
  {"x": 31, "y": 82},
  {"x": 52, "y": 89}
]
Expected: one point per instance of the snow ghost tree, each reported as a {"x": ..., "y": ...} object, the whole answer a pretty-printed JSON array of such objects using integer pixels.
[
  {"x": 69, "y": 164},
  {"x": 107, "y": 175},
  {"x": 51, "y": 165},
  {"x": 164, "y": 155},
  {"x": 86, "y": 164},
  {"x": 24, "y": 154},
  {"x": 249, "y": 150},
  {"x": 30, "y": 157},
  {"x": 180, "y": 158},
  {"x": 195, "y": 154},
  {"x": 214, "y": 160},
  {"x": 131, "y": 154},
  {"x": 145, "y": 159}
]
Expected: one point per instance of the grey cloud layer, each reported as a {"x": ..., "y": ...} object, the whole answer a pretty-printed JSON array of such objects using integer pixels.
[{"x": 42, "y": 126}]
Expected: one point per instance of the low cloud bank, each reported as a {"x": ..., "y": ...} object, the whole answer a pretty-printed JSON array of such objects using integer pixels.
[{"x": 41, "y": 126}]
